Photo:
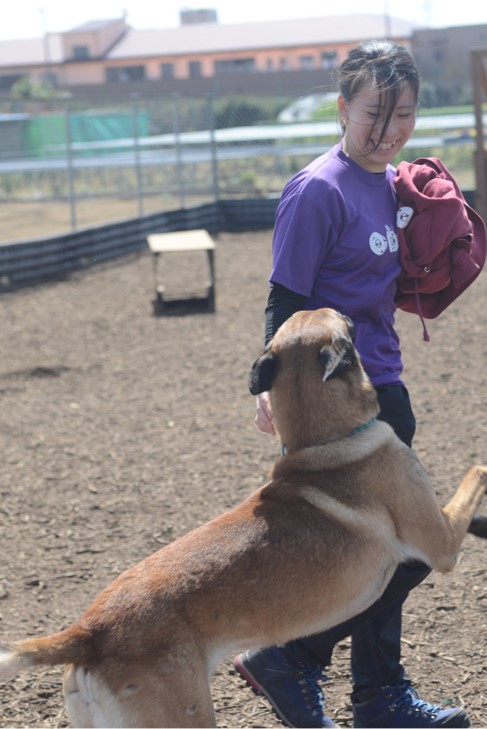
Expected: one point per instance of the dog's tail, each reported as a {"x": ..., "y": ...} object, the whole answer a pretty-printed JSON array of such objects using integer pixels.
[{"x": 72, "y": 645}]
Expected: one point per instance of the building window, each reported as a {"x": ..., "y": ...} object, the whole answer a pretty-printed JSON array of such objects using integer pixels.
[
  {"x": 9, "y": 80},
  {"x": 125, "y": 73},
  {"x": 235, "y": 65},
  {"x": 81, "y": 53},
  {"x": 306, "y": 62},
  {"x": 194, "y": 69},
  {"x": 50, "y": 79},
  {"x": 329, "y": 59},
  {"x": 283, "y": 64},
  {"x": 167, "y": 71}
]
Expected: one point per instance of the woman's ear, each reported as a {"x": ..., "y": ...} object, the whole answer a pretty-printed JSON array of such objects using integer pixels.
[{"x": 342, "y": 110}]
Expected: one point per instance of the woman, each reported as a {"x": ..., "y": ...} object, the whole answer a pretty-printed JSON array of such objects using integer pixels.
[{"x": 335, "y": 244}]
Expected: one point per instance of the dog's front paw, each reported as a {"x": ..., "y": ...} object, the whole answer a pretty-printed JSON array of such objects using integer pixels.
[{"x": 479, "y": 472}]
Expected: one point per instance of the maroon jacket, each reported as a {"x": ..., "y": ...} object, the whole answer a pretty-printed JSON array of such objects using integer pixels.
[{"x": 443, "y": 243}]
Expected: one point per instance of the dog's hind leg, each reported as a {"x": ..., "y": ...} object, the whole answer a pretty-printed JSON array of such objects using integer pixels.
[
  {"x": 176, "y": 696},
  {"x": 185, "y": 701},
  {"x": 89, "y": 702},
  {"x": 139, "y": 696}
]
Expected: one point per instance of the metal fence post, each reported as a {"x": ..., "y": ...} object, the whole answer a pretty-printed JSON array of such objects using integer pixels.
[
  {"x": 69, "y": 164},
  {"x": 176, "y": 126},
  {"x": 138, "y": 169},
  {"x": 479, "y": 77},
  {"x": 213, "y": 149}
]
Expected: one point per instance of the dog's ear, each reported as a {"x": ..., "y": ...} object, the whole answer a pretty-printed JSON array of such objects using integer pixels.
[
  {"x": 262, "y": 373},
  {"x": 334, "y": 362},
  {"x": 350, "y": 327}
]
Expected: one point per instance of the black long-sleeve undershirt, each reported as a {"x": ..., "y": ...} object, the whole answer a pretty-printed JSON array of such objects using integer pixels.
[{"x": 281, "y": 304}]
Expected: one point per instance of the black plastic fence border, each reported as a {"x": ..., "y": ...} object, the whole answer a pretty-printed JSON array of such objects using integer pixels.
[
  {"x": 24, "y": 263},
  {"x": 29, "y": 262}
]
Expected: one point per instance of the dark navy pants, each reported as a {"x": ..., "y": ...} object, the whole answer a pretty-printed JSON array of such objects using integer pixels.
[{"x": 376, "y": 633}]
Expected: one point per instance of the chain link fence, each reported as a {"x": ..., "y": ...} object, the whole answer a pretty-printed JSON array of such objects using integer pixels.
[{"x": 67, "y": 163}]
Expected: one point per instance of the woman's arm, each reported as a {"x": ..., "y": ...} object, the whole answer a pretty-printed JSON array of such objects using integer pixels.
[{"x": 281, "y": 304}]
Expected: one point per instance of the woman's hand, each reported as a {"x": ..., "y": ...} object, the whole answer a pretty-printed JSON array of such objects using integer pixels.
[{"x": 263, "y": 416}]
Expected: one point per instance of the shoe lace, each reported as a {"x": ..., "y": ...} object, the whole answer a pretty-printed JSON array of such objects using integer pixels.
[
  {"x": 307, "y": 679},
  {"x": 409, "y": 702}
]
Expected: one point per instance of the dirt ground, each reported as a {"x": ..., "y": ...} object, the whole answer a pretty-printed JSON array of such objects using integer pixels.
[
  {"x": 30, "y": 219},
  {"x": 120, "y": 430}
]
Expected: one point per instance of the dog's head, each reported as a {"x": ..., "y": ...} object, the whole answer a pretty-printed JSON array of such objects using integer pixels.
[
  {"x": 315, "y": 378},
  {"x": 329, "y": 336}
]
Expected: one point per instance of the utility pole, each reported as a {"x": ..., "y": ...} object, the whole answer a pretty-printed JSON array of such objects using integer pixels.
[
  {"x": 387, "y": 21},
  {"x": 45, "y": 36}
]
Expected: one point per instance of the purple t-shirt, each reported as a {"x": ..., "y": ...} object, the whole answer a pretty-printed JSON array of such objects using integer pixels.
[{"x": 335, "y": 242}]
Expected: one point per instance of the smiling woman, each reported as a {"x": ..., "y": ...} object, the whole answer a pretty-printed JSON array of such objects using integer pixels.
[
  {"x": 336, "y": 245},
  {"x": 377, "y": 105}
]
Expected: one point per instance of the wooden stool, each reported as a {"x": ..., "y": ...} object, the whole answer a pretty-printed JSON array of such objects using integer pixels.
[{"x": 177, "y": 242}]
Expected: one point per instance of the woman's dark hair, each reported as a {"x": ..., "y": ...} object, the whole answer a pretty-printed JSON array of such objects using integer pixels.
[{"x": 389, "y": 67}]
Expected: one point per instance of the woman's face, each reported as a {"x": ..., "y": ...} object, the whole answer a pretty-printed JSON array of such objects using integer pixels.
[{"x": 364, "y": 119}]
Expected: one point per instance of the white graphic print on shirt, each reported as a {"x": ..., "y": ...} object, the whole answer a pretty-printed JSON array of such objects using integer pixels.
[{"x": 380, "y": 243}]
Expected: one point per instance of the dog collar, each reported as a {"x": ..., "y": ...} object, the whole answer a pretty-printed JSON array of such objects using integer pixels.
[
  {"x": 356, "y": 430},
  {"x": 361, "y": 427}
]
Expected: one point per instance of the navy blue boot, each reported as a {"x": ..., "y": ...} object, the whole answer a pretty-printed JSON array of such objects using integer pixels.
[
  {"x": 400, "y": 706},
  {"x": 291, "y": 687}
]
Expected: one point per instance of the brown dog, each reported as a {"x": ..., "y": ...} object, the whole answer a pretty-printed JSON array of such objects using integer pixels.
[{"x": 313, "y": 547}]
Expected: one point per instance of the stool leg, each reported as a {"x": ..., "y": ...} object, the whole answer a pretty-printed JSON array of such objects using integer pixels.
[
  {"x": 158, "y": 304},
  {"x": 211, "y": 289}
]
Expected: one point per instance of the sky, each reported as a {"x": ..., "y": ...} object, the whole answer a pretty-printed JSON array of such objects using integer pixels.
[{"x": 33, "y": 18}]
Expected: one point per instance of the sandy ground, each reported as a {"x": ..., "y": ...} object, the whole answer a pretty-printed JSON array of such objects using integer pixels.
[{"x": 120, "y": 430}]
